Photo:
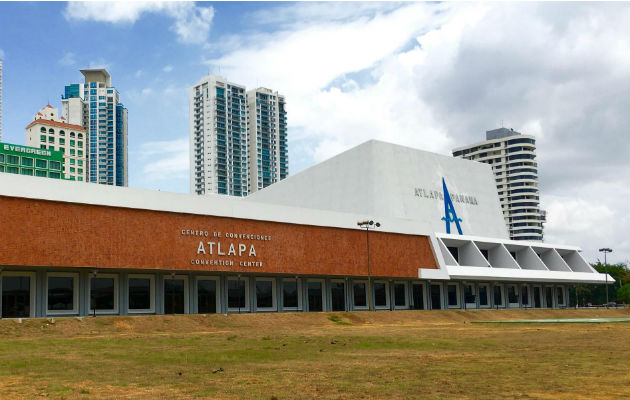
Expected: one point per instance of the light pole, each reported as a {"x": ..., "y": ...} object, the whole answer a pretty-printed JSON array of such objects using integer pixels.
[
  {"x": 606, "y": 250},
  {"x": 367, "y": 225}
]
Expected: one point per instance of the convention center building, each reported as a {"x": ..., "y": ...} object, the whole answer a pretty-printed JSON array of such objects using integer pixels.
[{"x": 379, "y": 226}]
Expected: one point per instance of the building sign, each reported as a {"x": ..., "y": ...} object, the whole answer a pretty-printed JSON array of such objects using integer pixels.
[
  {"x": 438, "y": 195},
  {"x": 27, "y": 150},
  {"x": 225, "y": 248}
]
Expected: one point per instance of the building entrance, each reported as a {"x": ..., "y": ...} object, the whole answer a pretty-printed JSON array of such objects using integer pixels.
[
  {"x": 338, "y": 296},
  {"x": 315, "y": 296},
  {"x": 417, "y": 292},
  {"x": 174, "y": 296},
  {"x": 436, "y": 297}
]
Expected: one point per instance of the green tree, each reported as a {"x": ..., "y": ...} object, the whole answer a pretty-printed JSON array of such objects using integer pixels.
[{"x": 596, "y": 294}]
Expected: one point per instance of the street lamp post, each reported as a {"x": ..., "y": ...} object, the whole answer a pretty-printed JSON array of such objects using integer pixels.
[
  {"x": 606, "y": 250},
  {"x": 367, "y": 225}
]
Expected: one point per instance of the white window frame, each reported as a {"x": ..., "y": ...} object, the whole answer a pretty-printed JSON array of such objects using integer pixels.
[
  {"x": 186, "y": 296},
  {"x": 299, "y": 294},
  {"x": 457, "y": 296},
  {"x": 227, "y": 293},
  {"x": 274, "y": 295},
  {"x": 150, "y": 310},
  {"x": 323, "y": 282},
  {"x": 367, "y": 298},
  {"x": 503, "y": 298},
  {"x": 518, "y": 295},
  {"x": 406, "y": 286},
  {"x": 425, "y": 306},
  {"x": 116, "y": 295},
  {"x": 475, "y": 294},
  {"x": 217, "y": 291},
  {"x": 529, "y": 296},
  {"x": 442, "y": 299},
  {"x": 32, "y": 288},
  {"x": 564, "y": 296},
  {"x": 489, "y": 293},
  {"x": 345, "y": 292},
  {"x": 75, "y": 293}
]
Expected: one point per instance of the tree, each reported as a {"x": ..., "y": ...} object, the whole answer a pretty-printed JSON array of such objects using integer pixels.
[{"x": 619, "y": 290}]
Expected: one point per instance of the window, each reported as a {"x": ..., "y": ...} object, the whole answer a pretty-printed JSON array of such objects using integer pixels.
[
  {"x": 80, "y": 152},
  {"x": 453, "y": 295},
  {"x": 381, "y": 294},
  {"x": 560, "y": 296},
  {"x": 51, "y": 139},
  {"x": 103, "y": 294},
  {"x": 11, "y": 159},
  {"x": 80, "y": 144},
  {"x": 208, "y": 295},
  {"x": 13, "y": 170},
  {"x": 265, "y": 294},
  {"x": 1, "y": 158},
  {"x": 42, "y": 137},
  {"x": 80, "y": 162},
  {"x": 40, "y": 173},
  {"x": 469, "y": 295},
  {"x": 72, "y": 151},
  {"x": 54, "y": 165},
  {"x": 39, "y": 163},
  {"x": 54, "y": 175},
  {"x": 141, "y": 290},
  {"x": 62, "y": 294},
  {"x": 525, "y": 296},
  {"x": 27, "y": 171},
  {"x": 238, "y": 297},
  {"x": 512, "y": 295},
  {"x": 175, "y": 294},
  {"x": 72, "y": 161},
  {"x": 484, "y": 295},
  {"x": 18, "y": 295},
  {"x": 498, "y": 296},
  {"x": 72, "y": 143},
  {"x": 400, "y": 295},
  {"x": 291, "y": 299},
  {"x": 359, "y": 295},
  {"x": 62, "y": 141}
]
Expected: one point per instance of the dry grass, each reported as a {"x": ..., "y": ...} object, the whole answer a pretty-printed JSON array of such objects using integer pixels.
[{"x": 402, "y": 354}]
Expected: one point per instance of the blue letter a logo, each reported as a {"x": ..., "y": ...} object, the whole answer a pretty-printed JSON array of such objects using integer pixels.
[{"x": 449, "y": 211}]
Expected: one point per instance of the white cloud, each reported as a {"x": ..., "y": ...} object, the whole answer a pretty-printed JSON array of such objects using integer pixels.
[
  {"x": 167, "y": 68},
  {"x": 436, "y": 76},
  {"x": 68, "y": 59},
  {"x": 191, "y": 23},
  {"x": 1, "y": 54},
  {"x": 164, "y": 160}
]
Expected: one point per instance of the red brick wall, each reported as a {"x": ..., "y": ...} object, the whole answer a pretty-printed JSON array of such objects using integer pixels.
[{"x": 48, "y": 233}]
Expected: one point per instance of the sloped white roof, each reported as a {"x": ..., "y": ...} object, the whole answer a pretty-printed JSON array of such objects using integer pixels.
[{"x": 384, "y": 179}]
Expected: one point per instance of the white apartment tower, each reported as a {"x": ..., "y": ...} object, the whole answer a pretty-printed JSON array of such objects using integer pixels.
[
  {"x": 513, "y": 159},
  {"x": 96, "y": 105},
  {"x": 267, "y": 132},
  {"x": 238, "y": 141}
]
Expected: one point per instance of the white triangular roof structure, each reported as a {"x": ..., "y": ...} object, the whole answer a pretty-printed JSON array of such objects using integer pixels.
[{"x": 379, "y": 179}]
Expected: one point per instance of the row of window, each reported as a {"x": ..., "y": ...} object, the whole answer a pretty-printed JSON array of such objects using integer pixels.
[
  {"x": 61, "y": 294},
  {"x": 30, "y": 172},
  {"x": 51, "y": 131}
]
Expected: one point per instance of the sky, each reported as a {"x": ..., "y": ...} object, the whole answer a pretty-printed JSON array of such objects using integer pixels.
[{"x": 433, "y": 76}]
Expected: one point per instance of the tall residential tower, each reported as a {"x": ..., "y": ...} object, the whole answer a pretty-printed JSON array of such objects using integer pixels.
[
  {"x": 238, "y": 138},
  {"x": 96, "y": 105},
  {"x": 513, "y": 159}
]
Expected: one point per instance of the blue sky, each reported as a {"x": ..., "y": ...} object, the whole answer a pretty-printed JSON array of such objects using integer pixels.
[{"x": 427, "y": 75}]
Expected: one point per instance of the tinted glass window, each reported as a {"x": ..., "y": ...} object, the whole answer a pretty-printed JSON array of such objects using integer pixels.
[
  {"x": 264, "y": 294},
  {"x": 436, "y": 300},
  {"x": 290, "y": 294},
  {"x": 512, "y": 294},
  {"x": 469, "y": 294},
  {"x": 380, "y": 294},
  {"x": 139, "y": 293},
  {"x": 207, "y": 296},
  {"x": 315, "y": 296},
  {"x": 359, "y": 294},
  {"x": 174, "y": 296},
  {"x": 236, "y": 294},
  {"x": 399, "y": 294},
  {"x": 337, "y": 296},
  {"x": 417, "y": 292},
  {"x": 16, "y": 296},
  {"x": 452, "y": 295},
  {"x": 524, "y": 295},
  {"x": 102, "y": 294},
  {"x": 60, "y": 293},
  {"x": 483, "y": 295},
  {"x": 498, "y": 296}
]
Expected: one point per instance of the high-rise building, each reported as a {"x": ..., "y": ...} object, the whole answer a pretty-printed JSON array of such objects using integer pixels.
[
  {"x": 513, "y": 159},
  {"x": 96, "y": 105},
  {"x": 238, "y": 138},
  {"x": 48, "y": 131},
  {"x": 267, "y": 133}
]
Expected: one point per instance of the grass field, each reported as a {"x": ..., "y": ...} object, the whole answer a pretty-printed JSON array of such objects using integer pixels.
[{"x": 394, "y": 355}]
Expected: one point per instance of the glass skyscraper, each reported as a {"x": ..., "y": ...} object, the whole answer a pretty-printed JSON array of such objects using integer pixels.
[{"x": 96, "y": 105}]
